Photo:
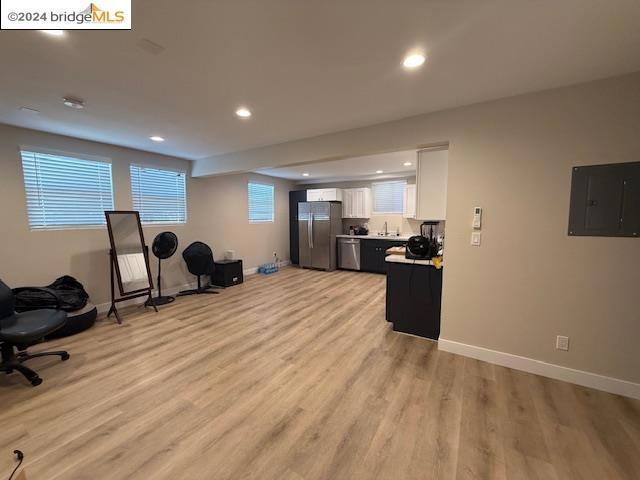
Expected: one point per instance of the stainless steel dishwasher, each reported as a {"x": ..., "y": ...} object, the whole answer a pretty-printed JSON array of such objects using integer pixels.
[{"x": 349, "y": 253}]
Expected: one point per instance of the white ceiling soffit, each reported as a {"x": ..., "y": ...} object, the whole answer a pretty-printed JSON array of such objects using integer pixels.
[
  {"x": 392, "y": 165},
  {"x": 303, "y": 68}
]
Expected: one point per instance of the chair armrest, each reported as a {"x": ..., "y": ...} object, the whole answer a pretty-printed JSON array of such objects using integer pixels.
[{"x": 50, "y": 292}]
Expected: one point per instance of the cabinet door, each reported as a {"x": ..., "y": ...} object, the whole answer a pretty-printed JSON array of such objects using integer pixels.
[
  {"x": 361, "y": 202},
  {"x": 328, "y": 194},
  {"x": 358, "y": 203},
  {"x": 431, "y": 184},
  {"x": 347, "y": 203},
  {"x": 368, "y": 202},
  {"x": 314, "y": 195},
  {"x": 381, "y": 254},
  {"x": 409, "y": 202},
  {"x": 367, "y": 256},
  {"x": 333, "y": 194},
  {"x": 372, "y": 256}
]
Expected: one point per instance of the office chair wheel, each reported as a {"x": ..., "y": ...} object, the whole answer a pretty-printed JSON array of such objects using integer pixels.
[
  {"x": 65, "y": 356},
  {"x": 35, "y": 381}
]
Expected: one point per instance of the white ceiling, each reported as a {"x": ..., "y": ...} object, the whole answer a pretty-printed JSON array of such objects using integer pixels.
[
  {"x": 355, "y": 168},
  {"x": 304, "y": 68}
]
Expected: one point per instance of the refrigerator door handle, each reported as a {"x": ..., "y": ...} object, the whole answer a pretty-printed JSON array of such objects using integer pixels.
[{"x": 310, "y": 227}]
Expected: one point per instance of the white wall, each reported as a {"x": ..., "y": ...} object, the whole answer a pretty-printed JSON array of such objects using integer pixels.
[
  {"x": 529, "y": 281},
  {"x": 216, "y": 210},
  {"x": 220, "y": 206}
]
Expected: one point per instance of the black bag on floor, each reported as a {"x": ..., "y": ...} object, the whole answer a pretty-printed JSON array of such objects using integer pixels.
[{"x": 66, "y": 293}]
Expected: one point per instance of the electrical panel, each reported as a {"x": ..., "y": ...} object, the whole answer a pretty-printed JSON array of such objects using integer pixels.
[{"x": 605, "y": 200}]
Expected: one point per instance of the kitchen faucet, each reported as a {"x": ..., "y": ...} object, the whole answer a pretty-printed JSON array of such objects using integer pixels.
[{"x": 386, "y": 232}]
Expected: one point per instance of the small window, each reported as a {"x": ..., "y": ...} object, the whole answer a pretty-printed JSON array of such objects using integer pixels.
[
  {"x": 66, "y": 192},
  {"x": 388, "y": 197},
  {"x": 260, "y": 202},
  {"x": 159, "y": 195}
]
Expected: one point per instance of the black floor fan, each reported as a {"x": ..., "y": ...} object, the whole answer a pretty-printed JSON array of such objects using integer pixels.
[{"x": 164, "y": 245}]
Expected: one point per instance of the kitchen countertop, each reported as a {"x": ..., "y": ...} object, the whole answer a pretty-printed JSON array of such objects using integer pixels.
[
  {"x": 402, "y": 238},
  {"x": 396, "y": 255},
  {"x": 403, "y": 259}
]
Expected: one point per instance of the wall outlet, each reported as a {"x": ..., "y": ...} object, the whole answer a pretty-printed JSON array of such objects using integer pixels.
[{"x": 562, "y": 343}]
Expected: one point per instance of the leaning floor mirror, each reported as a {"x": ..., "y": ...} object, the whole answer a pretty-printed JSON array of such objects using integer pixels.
[{"x": 129, "y": 259}]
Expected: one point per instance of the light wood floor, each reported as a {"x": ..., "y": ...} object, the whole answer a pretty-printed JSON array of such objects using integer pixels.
[{"x": 296, "y": 376}]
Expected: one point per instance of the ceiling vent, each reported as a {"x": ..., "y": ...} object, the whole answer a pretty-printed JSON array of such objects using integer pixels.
[
  {"x": 73, "y": 102},
  {"x": 150, "y": 47}
]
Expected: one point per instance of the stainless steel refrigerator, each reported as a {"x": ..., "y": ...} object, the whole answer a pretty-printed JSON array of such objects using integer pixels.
[{"x": 318, "y": 225}]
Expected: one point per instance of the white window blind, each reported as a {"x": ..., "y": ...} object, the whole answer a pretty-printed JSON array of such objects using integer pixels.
[
  {"x": 388, "y": 197},
  {"x": 159, "y": 195},
  {"x": 66, "y": 192},
  {"x": 260, "y": 202}
]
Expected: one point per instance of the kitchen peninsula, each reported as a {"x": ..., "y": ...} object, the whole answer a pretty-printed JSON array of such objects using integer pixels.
[{"x": 414, "y": 293}]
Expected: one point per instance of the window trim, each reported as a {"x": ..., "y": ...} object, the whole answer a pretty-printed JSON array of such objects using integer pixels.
[
  {"x": 70, "y": 154},
  {"x": 273, "y": 203},
  {"x": 403, "y": 181},
  {"x": 186, "y": 196},
  {"x": 66, "y": 153}
]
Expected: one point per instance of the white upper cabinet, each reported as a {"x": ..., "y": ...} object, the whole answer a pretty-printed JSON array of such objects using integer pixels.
[
  {"x": 324, "y": 195},
  {"x": 409, "y": 206},
  {"x": 356, "y": 203},
  {"x": 347, "y": 203},
  {"x": 431, "y": 184}
]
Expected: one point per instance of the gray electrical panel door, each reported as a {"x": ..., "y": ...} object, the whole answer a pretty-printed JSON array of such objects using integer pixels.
[{"x": 605, "y": 200}]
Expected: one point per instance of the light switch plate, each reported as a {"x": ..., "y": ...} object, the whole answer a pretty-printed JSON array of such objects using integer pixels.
[
  {"x": 476, "y": 238},
  {"x": 562, "y": 343}
]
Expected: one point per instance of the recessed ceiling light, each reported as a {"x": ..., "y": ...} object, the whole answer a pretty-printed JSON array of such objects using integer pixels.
[
  {"x": 379, "y": 171},
  {"x": 305, "y": 174},
  {"x": 54, "y": 33},
  {"x": 73, "y": 102},
  {"x": 243, "y": 112},
  {"x": 413, "y": 60},
  {"x": 156, "y": 138},
  {"x": 407, "y": 164}
]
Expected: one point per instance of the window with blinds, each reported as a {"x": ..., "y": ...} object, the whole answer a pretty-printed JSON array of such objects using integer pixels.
[
  {"x": 66, "y": 192},
  {"x": 160, "y": 195},
  {"x": 261, "y": 207},
  {"x": 388, "y": 197}
]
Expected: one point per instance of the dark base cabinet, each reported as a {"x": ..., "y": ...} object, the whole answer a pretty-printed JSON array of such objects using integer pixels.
[
  {"x": 414, "y": 294},
  {"x": 373, "y": 254}
]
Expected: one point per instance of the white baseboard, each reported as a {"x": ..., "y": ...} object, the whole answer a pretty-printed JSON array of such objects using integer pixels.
[
  {"x": 579, "y": 377},
  {"x": 104, "y": 307}
]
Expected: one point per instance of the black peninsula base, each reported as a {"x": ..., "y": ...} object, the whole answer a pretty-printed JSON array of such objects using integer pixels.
[{"x": 414, "y": 293}]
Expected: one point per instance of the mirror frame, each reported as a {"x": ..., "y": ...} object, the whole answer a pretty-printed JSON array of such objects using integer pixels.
[{"x": 114, "y": 253}]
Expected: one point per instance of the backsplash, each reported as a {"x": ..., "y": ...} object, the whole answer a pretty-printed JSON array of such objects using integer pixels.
[{"x": 407, "y": 226}]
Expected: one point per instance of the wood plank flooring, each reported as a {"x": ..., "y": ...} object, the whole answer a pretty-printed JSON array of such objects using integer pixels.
[{"x": 296, "y": 376}]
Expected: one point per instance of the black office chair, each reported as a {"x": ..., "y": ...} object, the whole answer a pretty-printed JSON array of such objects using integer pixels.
[
  {"x": 199, "y": 259},
  {"x": 21, "y": 330}
]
